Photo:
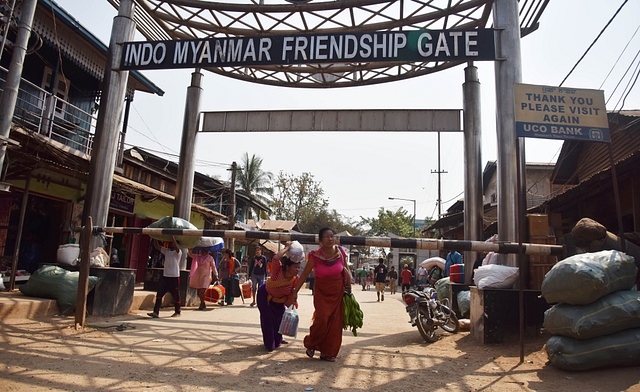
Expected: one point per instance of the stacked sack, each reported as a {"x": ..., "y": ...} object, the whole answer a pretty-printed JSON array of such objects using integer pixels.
[{"x": 596, "y": 319}]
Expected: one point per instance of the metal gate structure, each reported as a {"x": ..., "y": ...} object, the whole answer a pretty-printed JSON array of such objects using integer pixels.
[{"x": 161, "y": 20}]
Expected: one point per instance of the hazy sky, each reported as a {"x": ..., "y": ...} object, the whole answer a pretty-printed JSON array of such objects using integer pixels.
[{"x": 359, "y": 172}]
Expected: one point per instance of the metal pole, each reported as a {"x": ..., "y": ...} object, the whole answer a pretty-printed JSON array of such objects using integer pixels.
[
  {"x": 105, "y": 147},
  {"x": 16, "y": 250},
  {"x": 616, "y": 195},
  {"x": 186, "y": 166},
  {"x": 473, "y": 208},
  {"x": 232, "y": 215},
  {"x": 6, "y": 30},
  {"x": 382, "y": 242},
  {"x": 439, "y": 172},
  {"x": 12, "y": 84},
  {"x": 522, "y": 207},
  {"x": 439, "y": 181},
  {"x": 83, "y": 279},
  {"x": 125, "y": 124},
  {"x": 187, "y": 163},
  {"x": 507, "y": 72},
  {"x": 414, "y": 219}
]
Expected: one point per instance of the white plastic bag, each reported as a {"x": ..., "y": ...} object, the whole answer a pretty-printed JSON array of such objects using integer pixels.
[
  {"x": 296, "y": 252},
  {"x": 289, "y": 323},
  {"x": 99, "y": 258},
  {"x": 68, "y": 254},
  {"x": 495, "y": 276},
  {"x": 490, "y": 259}
]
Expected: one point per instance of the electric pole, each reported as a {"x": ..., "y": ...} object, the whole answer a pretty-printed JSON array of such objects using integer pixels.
[
  {"x": 439, "y": 172},
  {"x": 232, "y": 215}
]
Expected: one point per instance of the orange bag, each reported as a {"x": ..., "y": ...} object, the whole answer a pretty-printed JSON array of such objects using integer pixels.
[
  {"x": 214, "y": 293},
  {"x": 246, "y": 290}
]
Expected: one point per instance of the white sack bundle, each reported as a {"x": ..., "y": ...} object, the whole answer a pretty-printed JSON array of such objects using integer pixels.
[
  {"x": 495, "y": 276},
  {"x": 296, "y": 252}
]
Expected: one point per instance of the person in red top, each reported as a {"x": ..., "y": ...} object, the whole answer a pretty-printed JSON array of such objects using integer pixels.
[
  {"x": 332, "y": 280},
  {"x": 406, "y": 278},
  {"x": 275, "y": 295}
]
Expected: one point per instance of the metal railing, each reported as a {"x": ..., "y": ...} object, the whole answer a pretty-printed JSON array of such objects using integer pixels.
[{"x": 42, "y": 112}]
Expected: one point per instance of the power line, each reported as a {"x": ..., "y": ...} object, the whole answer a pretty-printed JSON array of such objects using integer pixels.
[
  {"x": 594, "y": 41},
  {"x": 624, "y": 98},
  {"x": 200, "y": 162},
  {"x": 149, "y": 129},
  {"x": 622, "y": 78},
  {"x": 619, "y": 57},
  {"x": 453, "y": 198}
]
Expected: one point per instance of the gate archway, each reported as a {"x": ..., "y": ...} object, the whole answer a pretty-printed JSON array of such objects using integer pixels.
[{"x": 197, "y": 19}]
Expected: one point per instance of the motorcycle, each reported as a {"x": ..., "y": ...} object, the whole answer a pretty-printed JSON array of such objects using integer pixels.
[{"x": 428, "y": 312}]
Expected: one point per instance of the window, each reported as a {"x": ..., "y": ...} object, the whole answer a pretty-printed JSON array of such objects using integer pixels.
[{"x": 61, "y": 91}]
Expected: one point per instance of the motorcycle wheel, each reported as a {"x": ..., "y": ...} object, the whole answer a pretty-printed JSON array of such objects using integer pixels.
[
  {"x": 452, "y": 325},
  {"x": 427, "y": 331}
]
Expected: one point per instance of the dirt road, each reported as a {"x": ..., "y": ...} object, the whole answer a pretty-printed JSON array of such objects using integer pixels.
[{"x": 221, "y": 350}]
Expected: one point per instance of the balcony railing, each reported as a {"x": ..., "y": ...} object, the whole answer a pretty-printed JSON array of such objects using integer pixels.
[{"x": 42, "y": 112}]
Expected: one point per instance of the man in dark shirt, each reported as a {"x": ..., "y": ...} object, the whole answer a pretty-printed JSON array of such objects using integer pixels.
[
  {"x": 257, "y": 272},
  {"x": 380, "y": 276},
  {"x": 393, "y": 280}
]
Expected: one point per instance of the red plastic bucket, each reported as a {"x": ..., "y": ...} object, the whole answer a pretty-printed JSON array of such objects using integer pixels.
[
  {"x": 456, "y": 277},
  {"x": 456, "y": 269}
]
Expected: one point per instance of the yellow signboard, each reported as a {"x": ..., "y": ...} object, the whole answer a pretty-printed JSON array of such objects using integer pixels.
[{"x": 560, "y": 113}]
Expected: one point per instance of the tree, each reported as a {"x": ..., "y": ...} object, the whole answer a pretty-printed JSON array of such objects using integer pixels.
[
  {"x": 330, "y": 218},
  {"x": 254, "y": 181},
  {"x": 399, "y": 223},
  {"x": 299, "y": 199}
]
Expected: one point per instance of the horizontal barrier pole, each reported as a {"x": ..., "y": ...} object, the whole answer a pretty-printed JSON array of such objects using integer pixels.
[{"x": 382, "y": 242}]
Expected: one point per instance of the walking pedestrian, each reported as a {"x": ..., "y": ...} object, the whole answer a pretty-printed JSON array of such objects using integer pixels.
[
  {"x": 406, "y": 278},
  {"x": 393, "y": 279},
  {"x": 229, "y": 276},
  {"x": 332, "y": 280},
  {"x": 381, "y": 277},
  {"x": 422, "y": 276},
  {"x": 170, "y": 279},
  {"x": 363, "y": 278},
  {"x": 275, "y": 296},
  {"x": 203, "y": 271},
  {"x": 257, "y": 272}
]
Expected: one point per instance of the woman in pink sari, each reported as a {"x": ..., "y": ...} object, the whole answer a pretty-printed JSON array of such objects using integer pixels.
[
  {"x": 332, "y": 279},
  {"x": 203, "y": 268}
]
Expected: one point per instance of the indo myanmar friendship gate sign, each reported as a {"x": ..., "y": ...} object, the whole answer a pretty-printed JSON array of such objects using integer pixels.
[{"x": 382, "y": 46}]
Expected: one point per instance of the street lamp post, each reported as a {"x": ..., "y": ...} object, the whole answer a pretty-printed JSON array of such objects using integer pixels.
[{"x": 414, "y": 211}]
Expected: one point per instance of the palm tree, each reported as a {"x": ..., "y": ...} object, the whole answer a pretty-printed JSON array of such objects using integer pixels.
[{"x": 254, "y": 181}]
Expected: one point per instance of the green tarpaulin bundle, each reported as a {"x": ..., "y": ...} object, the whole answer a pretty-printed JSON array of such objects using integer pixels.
[
  {"x": 583, "y": 278},
  {"x": 57, "y": 283},
  {"x": 619, "y": 349},
  {"x": 607, "y": 315},
  {"x": 172, "y": 222}
]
